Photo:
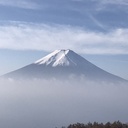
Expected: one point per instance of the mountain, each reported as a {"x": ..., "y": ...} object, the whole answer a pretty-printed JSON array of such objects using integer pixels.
[{"x": 63, "y": 64}]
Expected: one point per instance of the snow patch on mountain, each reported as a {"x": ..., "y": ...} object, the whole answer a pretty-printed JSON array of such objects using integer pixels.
[{"x": 58, "y": 58}]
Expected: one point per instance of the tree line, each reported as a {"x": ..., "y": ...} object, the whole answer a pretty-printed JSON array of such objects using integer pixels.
[{"x": 116, "y": 124}]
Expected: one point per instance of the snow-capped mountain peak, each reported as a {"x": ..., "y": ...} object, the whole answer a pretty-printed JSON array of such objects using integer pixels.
[
  {"x": 59, "y": 58},
  {"x": 64, "y": 64}
]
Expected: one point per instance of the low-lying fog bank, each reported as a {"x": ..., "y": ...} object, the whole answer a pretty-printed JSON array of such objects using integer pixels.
[{"x": 54, "y": 103}]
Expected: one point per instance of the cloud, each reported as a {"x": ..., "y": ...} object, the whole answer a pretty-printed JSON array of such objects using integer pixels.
[
  {"x": 111, "y": 5},
  {"x": 23, "y": 36},
  {"x": 56, "y": 103},
  {"x": 20, "y": 4},
  {"x": 119, "y": 2},
  {"x": 98, "y": 23}
]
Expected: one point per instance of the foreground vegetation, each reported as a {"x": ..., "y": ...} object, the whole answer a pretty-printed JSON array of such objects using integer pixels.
[{"x": 116, "y": 124}]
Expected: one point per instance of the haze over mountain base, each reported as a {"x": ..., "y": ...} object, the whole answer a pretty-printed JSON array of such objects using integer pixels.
[{"x": 56, "y": 103}]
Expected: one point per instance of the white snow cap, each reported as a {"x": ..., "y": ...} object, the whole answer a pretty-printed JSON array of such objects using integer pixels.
[{"x": 60, "y": 58}]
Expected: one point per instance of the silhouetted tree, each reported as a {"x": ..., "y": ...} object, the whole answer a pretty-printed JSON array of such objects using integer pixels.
[{"x": 116, "y": 124}]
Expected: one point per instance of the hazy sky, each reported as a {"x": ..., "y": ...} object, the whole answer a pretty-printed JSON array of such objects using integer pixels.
[{"x": 96, "y": 29}]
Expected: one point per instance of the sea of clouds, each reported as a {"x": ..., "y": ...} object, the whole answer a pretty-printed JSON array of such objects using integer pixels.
[{"x": 55, "y": 103}]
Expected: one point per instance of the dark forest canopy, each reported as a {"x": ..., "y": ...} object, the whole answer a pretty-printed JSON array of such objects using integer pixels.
[{"x": 116, "y": 124}]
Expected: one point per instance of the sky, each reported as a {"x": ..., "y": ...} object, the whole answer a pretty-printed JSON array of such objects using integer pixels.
[{"x": 95, "y": 29}]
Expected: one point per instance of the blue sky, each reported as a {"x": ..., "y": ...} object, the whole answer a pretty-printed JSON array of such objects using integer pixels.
[{"x": 96, "y": 29}]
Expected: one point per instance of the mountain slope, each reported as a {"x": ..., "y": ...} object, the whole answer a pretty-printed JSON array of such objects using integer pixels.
[{"x": 63, "y": 64}]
